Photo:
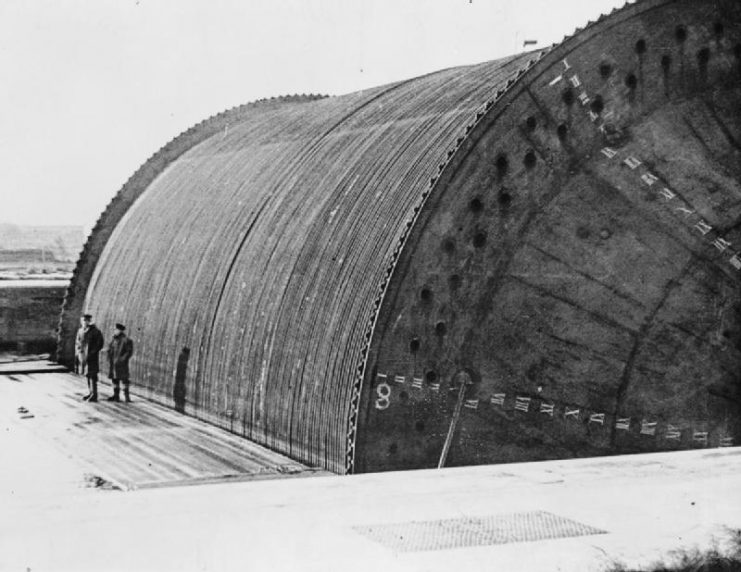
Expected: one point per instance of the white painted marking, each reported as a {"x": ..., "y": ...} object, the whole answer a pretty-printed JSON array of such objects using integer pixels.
[
  {"x": 547, "y": 408},
  {"x": 623, "y": 423},
  {"x": 632, "y": 162},
  {"x": 522, "y": 404},
  {"x": 648, "y": 427},
  {"x": 703, "y": 227},
  {"x": 384, "y": 393},
  {"x": 721, "y": 244},
  {"x": 498, "y": 399}
]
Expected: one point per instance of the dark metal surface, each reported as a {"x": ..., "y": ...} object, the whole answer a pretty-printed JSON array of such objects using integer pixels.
[
  {"x": 560, "y": 227},
  {"x": 579, "y": 263}
]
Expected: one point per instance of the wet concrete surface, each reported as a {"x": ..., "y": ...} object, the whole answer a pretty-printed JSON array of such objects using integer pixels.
[
  {"x": 130, "y": 445},
  {"x": 25, "y": 366}
]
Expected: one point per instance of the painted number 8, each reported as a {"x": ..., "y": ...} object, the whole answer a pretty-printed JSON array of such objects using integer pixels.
[{"x": 384, "y": 392}]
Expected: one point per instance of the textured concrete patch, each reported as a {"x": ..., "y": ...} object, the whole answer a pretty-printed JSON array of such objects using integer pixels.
[{"x": 483, "y": 531}]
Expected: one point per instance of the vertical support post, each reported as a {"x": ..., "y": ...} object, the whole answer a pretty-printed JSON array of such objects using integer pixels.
[{"x": 453, "y": 423}]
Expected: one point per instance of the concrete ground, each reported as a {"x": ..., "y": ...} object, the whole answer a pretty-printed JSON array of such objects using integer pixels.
[{"x": 57, "y": 511}]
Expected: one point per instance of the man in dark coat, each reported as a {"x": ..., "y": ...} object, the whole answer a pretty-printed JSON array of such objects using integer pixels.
[
  {"x": 92, "y": 343},
  {"x": 119, "y": 353}
]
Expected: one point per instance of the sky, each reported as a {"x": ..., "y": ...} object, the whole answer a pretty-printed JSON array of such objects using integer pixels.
[{"x": 92, "y": 88}]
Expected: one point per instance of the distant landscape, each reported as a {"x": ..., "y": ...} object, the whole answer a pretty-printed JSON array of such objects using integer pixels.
[{"x": 39, "y": 252}]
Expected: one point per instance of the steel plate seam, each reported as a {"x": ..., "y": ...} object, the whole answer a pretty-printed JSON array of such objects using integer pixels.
[{"x": 442, "y": 169}]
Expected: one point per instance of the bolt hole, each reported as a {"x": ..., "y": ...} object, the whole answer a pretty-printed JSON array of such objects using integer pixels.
[
  {"x": 440, "y": 328},
  {"x": 479, "y": 239},
  {"x": 568, "y": 96},
  {"x": 598, "y": 104},
  {"x": 455, "y": 282},
  {"x": 431, "y": 376},
  {"x": 680, "y": 33},
  {"x": 393, "y": 448},
  {"x": 531, "y": 123},
  {"x": 666, "y": 61},
  {"x": 449, "y": 245},
  {"x": 476, "y": 205},
  {"x": 737, "y": 51},
  {"x": 562, "y": 131},
  {"x": 404, "y": 396},
  {"x": 425, "y": 294},
  {"x": 582, "y": 232},
  {"x": 605, "y": 70},
  {"x": 414, "y": 345},
  {"x": 504, "y": 198},
  {"x": 631, "y": 81},
  {"x": 703, "y": 56},
  {"x": 530, "y": 160},
  {"x": 726, "y": 334},
  {"x": 641, "y": 46},
  {"x": 718, "y": 28},
  {"x": 502, "y": 165},
  {"x": 419, "y": 426}
]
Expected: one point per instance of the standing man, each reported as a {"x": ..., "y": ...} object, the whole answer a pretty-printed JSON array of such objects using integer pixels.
[
  {"x": 119, "y": 353},
  {"x": 92, "y": 343},
  {"x": 79, "y": 353}
]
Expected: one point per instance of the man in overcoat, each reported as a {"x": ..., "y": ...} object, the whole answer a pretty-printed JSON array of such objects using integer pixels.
[
  {"x": 92, "y": 343},
  {"x": 119, "y": 353},
  {"x": 79, "y": 353}
]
